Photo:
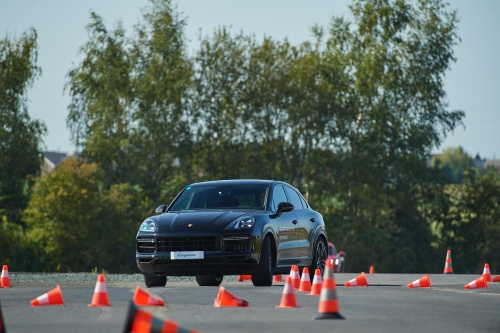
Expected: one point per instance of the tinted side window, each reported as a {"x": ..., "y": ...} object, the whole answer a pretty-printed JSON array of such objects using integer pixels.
[
  {"x": 278, "y": 196},
  {"x": 304, "y": 202},
  {"x": 293, "y": 198}
]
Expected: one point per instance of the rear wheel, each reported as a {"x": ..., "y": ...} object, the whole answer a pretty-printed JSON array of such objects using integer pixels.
[
  {"x": 319, "y": 259},
  {"x": 263, "y": 275},
  {"x": 155, "y": 281},
  {"x": 209, "y": 280}
]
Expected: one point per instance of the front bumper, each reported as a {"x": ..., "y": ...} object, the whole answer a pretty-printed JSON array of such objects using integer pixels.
[
  {"x": 214, "y": 264},
  {"x": 223, "y": 254}
]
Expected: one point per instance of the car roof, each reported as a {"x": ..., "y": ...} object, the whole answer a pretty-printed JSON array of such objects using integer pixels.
[{"x": 237, "y": 182}]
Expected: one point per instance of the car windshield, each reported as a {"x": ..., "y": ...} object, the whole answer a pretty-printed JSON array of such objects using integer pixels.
[{"x": 232, "y": 196}]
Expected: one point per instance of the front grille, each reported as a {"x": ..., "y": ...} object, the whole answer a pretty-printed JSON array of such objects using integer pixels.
[
  {"x": 146, "y": 245},
  {"x": 236, "y": 243},
  {"x": 188, "y": 244}
]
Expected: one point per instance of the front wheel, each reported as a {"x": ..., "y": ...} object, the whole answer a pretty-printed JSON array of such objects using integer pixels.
[
  {"x": 319, "y": 258},
  {"x": 155, "y": 281},
  {"x": 209, "y": 280},
  {"x": 263, "y": 275}
]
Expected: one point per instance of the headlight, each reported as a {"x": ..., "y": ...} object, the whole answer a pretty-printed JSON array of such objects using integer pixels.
[
  {"x": 242, "y": 222},
  {"x": 148, "y": 225},
  {"x": 337, "y": 261}
]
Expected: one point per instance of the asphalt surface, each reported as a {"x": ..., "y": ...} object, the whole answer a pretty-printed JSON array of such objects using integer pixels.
[{"x": 386, "y": 305}]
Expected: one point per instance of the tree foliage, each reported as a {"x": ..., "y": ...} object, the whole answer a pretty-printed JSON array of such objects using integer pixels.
[
  {"x": 453, "y": 162},
  {"x": 349, "y": 118},
  {"x": 75, "y": 224},
  {"x": 20, "y": 136}
]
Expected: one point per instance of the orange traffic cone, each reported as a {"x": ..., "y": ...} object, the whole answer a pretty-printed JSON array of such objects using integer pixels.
[
  {"x": 142, "y": 297},
  {"x": 140, "y": 321},
  {"x": 305, "y": 281},
  {"x": 225, "y": 298},
  {"x": 423, "y": 282},
  {"x": 317, "y": 282},
  {"x": 477, "y": 283},
  {"x": 447, "y": 265},
  {"x": 100, "y": 297},
  {"x": 328, "y": 303},
  {"x": 359, "y": 281},
  {"x": 53, "y": 297},
  {"x": 295, "y": 277},
  {"x": 497, "y": 279},
  {"x": 277, "y": 278},
  {"x": 242, "y": 278},
  {"x": 486, "y": 272},
  {"x": 2, "y": 325},
  {"x": 4, "y": 278},
  {"x": 292, "y": 273},
  {"x": 372, "y": 270},
  {"x": 288, "y": 299}
]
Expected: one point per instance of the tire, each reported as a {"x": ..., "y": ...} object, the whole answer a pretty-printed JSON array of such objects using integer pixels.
[
  {"x": 209, "y": 280},
  {"x": 263, "y": 275},
  {"x": 319, "y": 258},
  {"x": 155, "y": 281}
]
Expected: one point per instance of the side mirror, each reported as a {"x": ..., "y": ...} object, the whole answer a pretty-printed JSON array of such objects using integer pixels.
[
  {"x": 284, "y": 207},
  {"x": 161, "y": 209}
]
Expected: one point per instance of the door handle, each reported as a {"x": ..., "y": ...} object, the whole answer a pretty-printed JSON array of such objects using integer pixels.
[
  {"x": 312, "y": 219},
  {"x": 295, "y": 221}
]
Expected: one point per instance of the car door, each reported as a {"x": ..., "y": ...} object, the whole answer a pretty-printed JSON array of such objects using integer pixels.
[
  {"x": 303, "y": 227},
  {"x": 287, "y": 233}
]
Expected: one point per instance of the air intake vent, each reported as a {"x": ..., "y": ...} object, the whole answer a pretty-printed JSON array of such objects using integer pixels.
[
  {"x": 236, "y": 243},
  {"x": 146, "y": 245},
  {"x": 188, "y": 244}
]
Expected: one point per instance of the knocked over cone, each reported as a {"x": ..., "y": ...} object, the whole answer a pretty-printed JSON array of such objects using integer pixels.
[
  {"x": 359, "y": 281},
  {"x": 225, "y": 298},
  {"x": 140, "y": 321},
  {"x": 142, "y": 297},
  {"x": 53, "y": 297},
  {"x": 423, "y": 282},
  {"x": 477, "y": 283}
]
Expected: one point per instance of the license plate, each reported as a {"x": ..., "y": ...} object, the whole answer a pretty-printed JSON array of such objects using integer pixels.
[{"x": 186, "y": 255}]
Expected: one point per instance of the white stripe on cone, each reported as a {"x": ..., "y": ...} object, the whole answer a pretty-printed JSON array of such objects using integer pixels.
[
  {"x": 472, "y": 284},
  {"x": 305, "y": 277},
  {"x": 100, "y": 287},
  {"x": 44, "y": 299},
  {"x": 5, "y": 274},
  {"x": 416, "y": 283},
  {"x": 288, "y": 289},
  {"x": 353, "y": 282}
]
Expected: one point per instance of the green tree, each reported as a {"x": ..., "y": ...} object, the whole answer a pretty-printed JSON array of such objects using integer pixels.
[
  {"x": 162, "y": 77},
  {"x": 99, "y": 116},
  {"x": 386, "y": 69},
  {"x": 20, "y": 136},
  {"x": 453, "y": 162},
  {"x": 470, "y": 222},
  {"x": 74, "y": 224}
]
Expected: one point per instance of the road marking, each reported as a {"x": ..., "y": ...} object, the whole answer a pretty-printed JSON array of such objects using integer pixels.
[{"x": 465, "y": 292}]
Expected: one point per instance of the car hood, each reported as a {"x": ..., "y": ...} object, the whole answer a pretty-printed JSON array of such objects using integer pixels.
[{"x": 214, "y": 219}]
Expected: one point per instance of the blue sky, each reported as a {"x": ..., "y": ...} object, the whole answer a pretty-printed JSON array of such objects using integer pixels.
[{"x": 472, "y": 84}]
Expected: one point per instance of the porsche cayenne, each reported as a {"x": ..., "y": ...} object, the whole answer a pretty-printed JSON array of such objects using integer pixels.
[{"x": 231, "y": 227}]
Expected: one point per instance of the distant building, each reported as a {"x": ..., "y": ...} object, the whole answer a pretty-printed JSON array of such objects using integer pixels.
[
  {"x": 492, "y": 164},
  {"x": 479, "y": 162},
  {"x": 51, "y": 159}
]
